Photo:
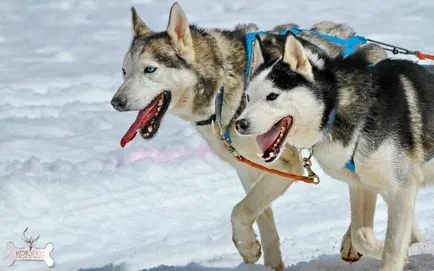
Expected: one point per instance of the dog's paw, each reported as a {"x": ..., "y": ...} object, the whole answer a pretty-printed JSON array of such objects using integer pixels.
[
  {"x": 348, "y": 251},
  {"x": 392, "y": 266},
  {"x": 249, "y": 251},
  {"x": 416, "y": 235},
  {"x": 279, "y": 267},
  {"x": 272, "y": 255}
]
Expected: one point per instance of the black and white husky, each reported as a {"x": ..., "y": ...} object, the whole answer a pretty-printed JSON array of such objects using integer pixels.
[{"x": 370, "y": 126}]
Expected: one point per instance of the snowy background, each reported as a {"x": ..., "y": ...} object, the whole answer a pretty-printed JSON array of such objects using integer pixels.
[{"x": 163, "y": 204}]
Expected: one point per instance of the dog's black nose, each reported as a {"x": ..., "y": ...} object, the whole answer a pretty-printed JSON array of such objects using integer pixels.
[
  {"x": 119, "y": 103},
  {"x": 242, "y": 125}
]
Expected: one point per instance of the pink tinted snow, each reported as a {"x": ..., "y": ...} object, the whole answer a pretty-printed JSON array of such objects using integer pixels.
[{"x": 158, "y": 155}]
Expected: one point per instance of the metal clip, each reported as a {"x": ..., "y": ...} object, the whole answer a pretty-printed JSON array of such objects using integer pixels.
[
  {"x": 30, "y": 240},
  {"x": 218, "y": 130},
  {"x": 232, "y": 150},
  {"x": 307, "y": 164}
]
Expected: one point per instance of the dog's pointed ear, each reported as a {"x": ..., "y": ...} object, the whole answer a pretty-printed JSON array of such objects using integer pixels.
[
  {"x": 295, "y": 56},
  {"x": 179, "y": 32},
  {"x": 258, "y": 55},
  {"x": 139, "y": 27}
]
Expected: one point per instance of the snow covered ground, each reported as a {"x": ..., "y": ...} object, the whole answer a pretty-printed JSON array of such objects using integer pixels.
[{"x": 163, "y": 204}]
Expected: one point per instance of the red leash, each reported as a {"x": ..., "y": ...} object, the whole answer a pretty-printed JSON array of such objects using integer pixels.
[
  {"x": 311, "y": 177},
  {"x": 423, "y": 56}
]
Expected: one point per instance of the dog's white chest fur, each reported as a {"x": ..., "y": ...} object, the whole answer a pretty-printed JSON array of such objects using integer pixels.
[{"x": 332, "y": 157}]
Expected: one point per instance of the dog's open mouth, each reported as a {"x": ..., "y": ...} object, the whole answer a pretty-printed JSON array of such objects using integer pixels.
[
  {"x": 148, "y": 120},
  {"x": 272, "y": 141}
]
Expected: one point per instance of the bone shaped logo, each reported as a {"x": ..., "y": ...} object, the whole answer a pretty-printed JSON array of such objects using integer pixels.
[{"x": 29, "y": 253}]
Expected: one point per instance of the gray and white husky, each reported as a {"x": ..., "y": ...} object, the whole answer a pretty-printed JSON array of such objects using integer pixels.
[
  {"x": 181, "y": 70},
  {"x": 370, "y": 126}
]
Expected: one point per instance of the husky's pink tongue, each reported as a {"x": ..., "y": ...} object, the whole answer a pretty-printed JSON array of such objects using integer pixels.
[
  {"x": 144, "y": 116},
  {"x": 266, "y": 140}
]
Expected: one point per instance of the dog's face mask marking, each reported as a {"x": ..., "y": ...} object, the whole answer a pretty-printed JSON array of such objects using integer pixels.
[
  {"x": 151, "y": 67},
  {"x": 156, "y": 73},
  {"x": 283, "y": 105}
]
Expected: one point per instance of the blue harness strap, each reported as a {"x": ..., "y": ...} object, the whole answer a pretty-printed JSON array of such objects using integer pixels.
[
  {"x": 350, "y": 165},
  {"x": 349, "y": 45},
  {"x": 250, "y": 39},
  {"x": 352, "y": 44},
  {"x": 332, "y": 117}
]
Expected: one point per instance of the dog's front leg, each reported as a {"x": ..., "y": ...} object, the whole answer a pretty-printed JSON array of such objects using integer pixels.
[
  {"x": 348, "y": 251},
  {"x": 362, "y": 239},
  {"x": 401, "y": 198},
  {"x": 261, "y": 190}
]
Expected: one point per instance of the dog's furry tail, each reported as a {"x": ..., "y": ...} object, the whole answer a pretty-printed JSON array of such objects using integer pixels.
[{"x": 342, "y": 31}]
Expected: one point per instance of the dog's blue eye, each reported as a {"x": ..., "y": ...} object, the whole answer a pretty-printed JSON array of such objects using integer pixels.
[
  {"x": 150, "y": 69},
  {"x": 272, "y": 96}
]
